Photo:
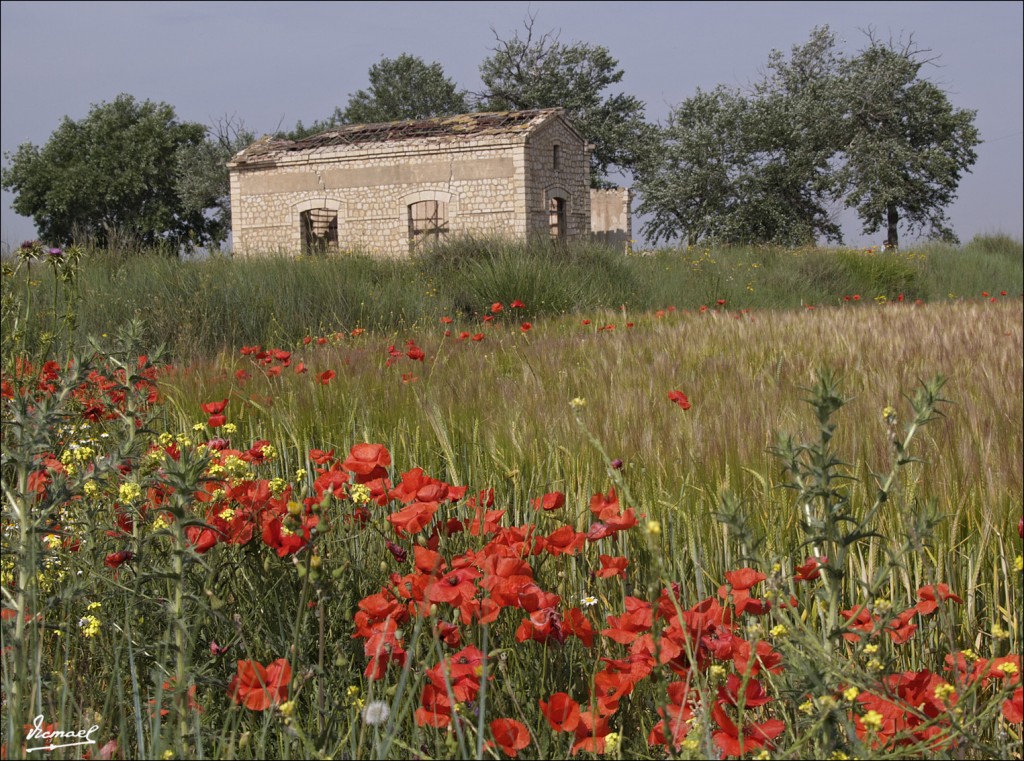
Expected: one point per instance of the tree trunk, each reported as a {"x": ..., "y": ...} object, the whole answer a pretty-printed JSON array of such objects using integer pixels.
[{"x": 892, "y": 218}]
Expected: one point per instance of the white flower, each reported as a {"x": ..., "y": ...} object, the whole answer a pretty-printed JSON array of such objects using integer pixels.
[
  {"x": 588, "y": 601},
  {"x": 376, "y": 712}
]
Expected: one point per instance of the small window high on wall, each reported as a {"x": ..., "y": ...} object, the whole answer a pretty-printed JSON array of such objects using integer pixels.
[
  {"x": 319, "y": 231},
  {"x": 428, "y": 222},
  {"x": 556, "y": 218}
]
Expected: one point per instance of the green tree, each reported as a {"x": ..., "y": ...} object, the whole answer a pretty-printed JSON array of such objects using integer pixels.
[
  {"x": 797, "y": 129},
  {"x": 907, "y": 146},
  {"x": 108, "y": 176},
  {"x": 692, "y": 187},
  {"x": 201, "y": 175},
  {"x": 403, "y": 88},
  {"x": 818, "y": 131},
  {"x": 528, "y": 72},
  {"x": 756, "y": 168}
]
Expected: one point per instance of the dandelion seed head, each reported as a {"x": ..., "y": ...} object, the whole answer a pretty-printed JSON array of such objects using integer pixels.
[{"x": 376, "y": 712}]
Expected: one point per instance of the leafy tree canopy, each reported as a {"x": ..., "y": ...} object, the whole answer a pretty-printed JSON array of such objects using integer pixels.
[
  {"x": 201, "y": 176},
  {"x": 907, "y": 146},
  {"x": 541, "y": 72},
  {"x": 112, "y": 175},
  {"x": 820, "y": 131},
  {"x": 402, "y": 88}
]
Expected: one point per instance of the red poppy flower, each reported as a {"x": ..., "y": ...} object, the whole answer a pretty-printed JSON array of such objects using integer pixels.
[
  {"x": 510, "y": 735},
  {"x": 604, "y": 507},
  {"x": 561, "y": 711},
  {"x": 517, "y": 304},
  {"x": 576, "y": 624},
  {"x": 320, "y": 457},
  {"x": 638, "y": 618},
  {"x": 1013, "y": 707},
  {"x": 435, "y": 707},
  {"x": 258, "y": 687},
  {"x": 115, "y": 559},
  {"x": 327, "y": 376},
  {"x": 446, "y": 320},
  {"x": 591, "y": 732},
  {"x": 214, "y": 408},
  {"x": 810, "y": 570},
  {"x": 413, "y": 518},
  {"x": 368, "y": 461},
  {"x": 900, "y": 629},
  {"x": 454, "y": 588},
  {"x": 478, "y": 337},
  {"x": 526, "y": 327},
  {"x": 679, "y": 398},
  {"x": 201, "y": 539},
  {"x": 754, "y": 735},
  {"x": 550, "y": 501},
  {"x": 930, "y": 596},
  {"x": 612, "y": 566},
  {"x": 565, "y": 541}
]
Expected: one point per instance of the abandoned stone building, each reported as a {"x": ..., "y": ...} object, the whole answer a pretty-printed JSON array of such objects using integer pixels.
[{"x": 388, "y": 189}]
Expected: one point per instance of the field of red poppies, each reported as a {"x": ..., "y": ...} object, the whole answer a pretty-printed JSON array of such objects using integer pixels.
[{"x": 681, "y": 532}]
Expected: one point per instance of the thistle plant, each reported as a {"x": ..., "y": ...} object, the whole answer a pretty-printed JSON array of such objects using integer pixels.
[{"x": 818, "y": 477}]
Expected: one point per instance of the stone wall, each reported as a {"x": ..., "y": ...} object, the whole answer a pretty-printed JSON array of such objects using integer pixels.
[
  {"x": 372, "y": 186},
  {"x": 489, "y": 183},
  {"x": 569, "y": 181},
  {"x": 611, "y": 219}
]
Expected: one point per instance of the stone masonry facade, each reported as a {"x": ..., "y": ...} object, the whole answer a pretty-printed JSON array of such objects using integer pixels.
[{"x": 385, "y": 189}]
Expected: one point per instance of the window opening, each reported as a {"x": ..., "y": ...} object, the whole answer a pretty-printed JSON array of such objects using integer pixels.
[
  {"x": 556, "y": 218},
  {"x": 555, "y": 157},
  {"x": 428, "y": 222},
  {"x": 319, "y": 231}
]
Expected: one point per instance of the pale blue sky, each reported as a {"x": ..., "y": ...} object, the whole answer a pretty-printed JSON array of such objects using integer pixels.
[{"x": 272, "y": 64}]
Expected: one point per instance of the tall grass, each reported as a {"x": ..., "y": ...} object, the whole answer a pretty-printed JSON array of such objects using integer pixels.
[
  {"x": 496, "y": 412},
  {"x": 524, "y": 412},
  {"x": 221, "y": 303}
]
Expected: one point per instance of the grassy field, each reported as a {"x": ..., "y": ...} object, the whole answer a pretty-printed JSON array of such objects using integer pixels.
[
  {"x": 223, "y": 303},
  {"x": 609, "y": 551}
]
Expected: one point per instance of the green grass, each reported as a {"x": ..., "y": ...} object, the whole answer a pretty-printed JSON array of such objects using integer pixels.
[
  {"x": 198, "y": 307},
  {"x": 498, "y": 413}
]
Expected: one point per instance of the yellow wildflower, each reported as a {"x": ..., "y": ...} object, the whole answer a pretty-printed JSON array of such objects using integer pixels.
[
  {"x": 612, "y": 741},
  {"x": 872, "y": 721},
  {"x": 90, "y": 626},
  {"x": 129, "y": 492}
]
